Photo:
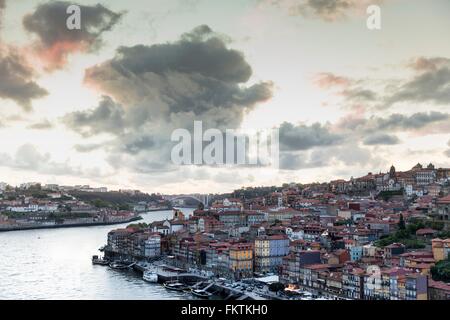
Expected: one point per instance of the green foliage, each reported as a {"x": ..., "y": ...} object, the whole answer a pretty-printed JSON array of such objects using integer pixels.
[
  {"x": 124, "y": 206},
  {"x": 253, "y": 192},
  {"x": 443, "y": 234},
  {"x": 386, "y": 195},
  {"x": 99, "y": 203},
  {"x": 344, "y": 222},
  {"x": 441, "y": 271},
  {"x": 406, "y": 236},
  {"x": 141, "y": 225}
]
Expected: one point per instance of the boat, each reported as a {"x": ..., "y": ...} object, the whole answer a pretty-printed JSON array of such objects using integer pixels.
[
  {"x": 99, "y": 261},
  {"x": 120, "y": 265},
  {"x": 175, "y": 286},
  {"x": 201, "y": 293},
  {"x": 150, "y": 276}
]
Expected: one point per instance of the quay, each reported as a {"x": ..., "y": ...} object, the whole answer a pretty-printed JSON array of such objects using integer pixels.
[
  {"x": 69, "y": 225},
  {"x": 220, "y": 291}
]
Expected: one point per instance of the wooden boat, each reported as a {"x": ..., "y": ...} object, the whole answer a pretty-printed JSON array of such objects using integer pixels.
[
  {"x": 99, "y": 261},
  {"x": 118, "y": 265},
  {"x": 201, "y": 293},
  {"x": 175, "y": 286}
]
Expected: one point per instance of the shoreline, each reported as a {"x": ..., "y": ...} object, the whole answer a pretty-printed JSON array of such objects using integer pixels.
[{"x": 71, "y": 225}]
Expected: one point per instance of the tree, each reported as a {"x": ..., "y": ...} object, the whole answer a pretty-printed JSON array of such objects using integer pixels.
[
  {"x": 441, "y": 271},
  {"x": 401, "y": 223}
]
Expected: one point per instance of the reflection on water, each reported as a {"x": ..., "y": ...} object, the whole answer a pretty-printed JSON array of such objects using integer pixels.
[{"x": 56, "y": 264}]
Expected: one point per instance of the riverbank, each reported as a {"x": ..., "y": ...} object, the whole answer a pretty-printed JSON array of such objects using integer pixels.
[{"x": 70, "y": 225}]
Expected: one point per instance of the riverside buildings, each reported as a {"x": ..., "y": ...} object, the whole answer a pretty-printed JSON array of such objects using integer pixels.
[{"x": 366, "y": 238}]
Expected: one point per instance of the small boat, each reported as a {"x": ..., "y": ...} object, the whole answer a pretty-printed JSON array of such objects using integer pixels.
[
  {"x": 99, "y": 261},
  {"x": 175, "y": 286},
  {"x": 150, "y": 276},
  {"x": 119, "y": 265},
  {"x": 201, "y": 293}
]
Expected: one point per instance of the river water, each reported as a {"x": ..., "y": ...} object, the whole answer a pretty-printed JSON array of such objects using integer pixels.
[{"x": 56, "y": 264}]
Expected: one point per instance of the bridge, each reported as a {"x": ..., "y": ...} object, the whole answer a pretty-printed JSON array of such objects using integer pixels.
[{"x": 203, "y": 198}]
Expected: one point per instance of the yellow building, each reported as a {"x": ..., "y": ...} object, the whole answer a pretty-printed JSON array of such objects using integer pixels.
[
  {"x": 241, "y": 259},
  {"x": 439, "y": 252}
]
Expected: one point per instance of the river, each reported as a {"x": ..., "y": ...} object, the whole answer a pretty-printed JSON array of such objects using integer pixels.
[{"x": 56, "y": 264}]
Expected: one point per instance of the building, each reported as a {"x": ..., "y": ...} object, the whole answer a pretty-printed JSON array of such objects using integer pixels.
[
  {"x": 241, "y": 260},
  {"x": 152, "y": 246},
  {"x": 440, "y": 249},
  {"x": 438, "y": 290},
  {"x": 295, "y": 261},
  {"x": 443, "y": 208},
  {"x": 269, "y": 252}
]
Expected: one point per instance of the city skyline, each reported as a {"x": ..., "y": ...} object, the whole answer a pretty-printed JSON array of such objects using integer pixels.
[{"x": 98, "y": 106}]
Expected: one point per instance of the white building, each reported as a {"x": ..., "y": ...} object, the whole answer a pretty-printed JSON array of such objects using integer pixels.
[{"x": 152, "y": 247}]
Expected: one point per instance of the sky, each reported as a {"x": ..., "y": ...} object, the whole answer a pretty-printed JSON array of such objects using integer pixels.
[{"x": 98, "y": 105}]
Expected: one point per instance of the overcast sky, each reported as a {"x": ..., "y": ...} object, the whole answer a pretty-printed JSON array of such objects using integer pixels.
[{"x": 98, "y": 105}]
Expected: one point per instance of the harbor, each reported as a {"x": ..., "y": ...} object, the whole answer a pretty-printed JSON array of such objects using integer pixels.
[
  {"x": 58, "y": 266},
  {"x": 195, "y": 284}
]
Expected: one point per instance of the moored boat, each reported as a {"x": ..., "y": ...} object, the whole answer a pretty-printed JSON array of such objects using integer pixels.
[
  {"x": 118, "y": 265},
  {"x": 99, "y": 261},
  {"x": 175, "y": 286},
  {"x": 201, "y": 293},
  {"x": 150, "y": 276}
]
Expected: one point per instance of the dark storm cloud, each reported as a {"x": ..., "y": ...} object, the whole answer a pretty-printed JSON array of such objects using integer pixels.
[
  {"x": 303, "y": 137},
  {"x": 156, "y": 89},
  {"x": 17, "y": 79},
  {"x": 194, "y": 77},
  {"x": 108, "y": 117},
  {"x": 56, "y": 41},
  {"x": 381, "y": 139},
  {"x": 197, "y": 74}
]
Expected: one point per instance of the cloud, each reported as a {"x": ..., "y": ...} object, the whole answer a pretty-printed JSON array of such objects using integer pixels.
[
  {"x": 431, "y": 85},
  {"x": 152, "y": 90},
  {"x": 303, "y": 137},
  {"x": 42, "y": 125},
  {"x": 106, "y": 117},
  {"x": 85, "y": 148},
  {"x": 447, "y": 153},
  {"x": 416, "y": 121},
  {"x": 2, "y": 8},
  {"x": 326, "y": 10},
  {"x": 27, "y": 157},
  {"x": 381, "y": 139},
  {"x": 427, "y": 64},
  {"x": 344, "y": 155},
  {"x": 327, "y": 80},
  {"x": 17, "y": 79},
  {"x": 55, "y": 41}
]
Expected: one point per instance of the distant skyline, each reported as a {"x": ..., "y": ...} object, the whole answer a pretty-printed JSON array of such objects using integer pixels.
[{"x": 98, "y": 106}]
